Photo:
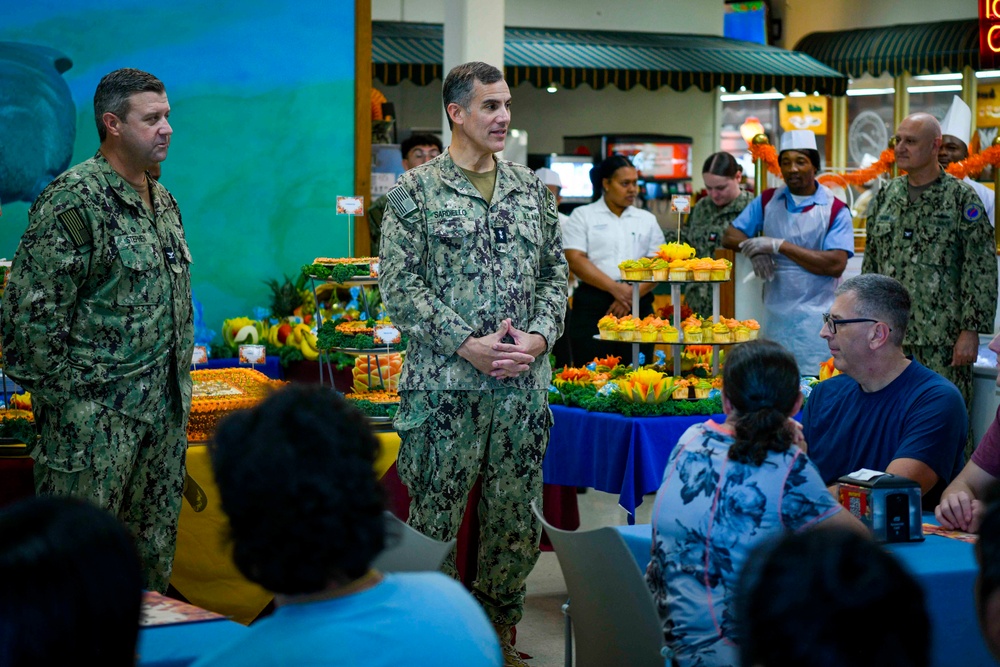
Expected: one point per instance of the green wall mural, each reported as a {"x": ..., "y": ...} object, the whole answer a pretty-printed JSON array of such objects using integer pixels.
[{"x": 262, "y": 98}]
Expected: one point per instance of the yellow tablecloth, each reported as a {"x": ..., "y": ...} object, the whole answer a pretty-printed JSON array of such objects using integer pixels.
[{"x": 203, "y": 568}]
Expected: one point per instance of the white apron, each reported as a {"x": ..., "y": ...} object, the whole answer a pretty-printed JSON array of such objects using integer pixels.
[{"x": 794, "y": 302}]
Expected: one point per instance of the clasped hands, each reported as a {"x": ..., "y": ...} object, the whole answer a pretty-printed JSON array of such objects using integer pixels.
[
  {"x": 760, "y": 250},
  {"x": 491, "y": 356}
]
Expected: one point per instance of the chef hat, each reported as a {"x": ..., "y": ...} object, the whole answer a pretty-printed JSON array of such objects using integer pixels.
[
  {"x": 803, "y": 141},
  {"x": 958, "y": 121},
  {"x": 549, "y": 177},
  {"x": 798, "y": 140}
]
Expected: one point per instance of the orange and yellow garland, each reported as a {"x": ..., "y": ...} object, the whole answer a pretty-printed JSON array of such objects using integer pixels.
[{"x": 973, "y": 164}]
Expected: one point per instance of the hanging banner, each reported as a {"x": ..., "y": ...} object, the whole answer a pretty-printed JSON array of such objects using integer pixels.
[{"x": 803, "y": 113}]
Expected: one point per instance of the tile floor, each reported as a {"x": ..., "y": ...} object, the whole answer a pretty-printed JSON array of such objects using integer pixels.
[{"x": 541, "y": 631}]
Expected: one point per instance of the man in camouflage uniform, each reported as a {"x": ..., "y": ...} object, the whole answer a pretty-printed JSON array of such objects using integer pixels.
[
  {"x": 472, "y": 269},
  {"x": 97, "y": 324},
  {"x": 929, "y": 231},
  {"x": 416, "y": 149},
  {"x": 703, "y": 232}
]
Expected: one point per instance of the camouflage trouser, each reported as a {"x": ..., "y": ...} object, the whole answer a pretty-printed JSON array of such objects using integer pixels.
[
  {"x": 449, "y": 439},
  {"x": 699, "y": 299},
  {"x": 133, "y": 469},
  {"x": 938, "y": 359}
]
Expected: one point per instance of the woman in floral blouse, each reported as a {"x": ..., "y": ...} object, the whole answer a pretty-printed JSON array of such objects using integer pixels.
[{"x": 726, "y": 488}]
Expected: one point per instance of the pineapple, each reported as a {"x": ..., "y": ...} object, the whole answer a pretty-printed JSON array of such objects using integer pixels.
[{"x": 285, "y": 297}]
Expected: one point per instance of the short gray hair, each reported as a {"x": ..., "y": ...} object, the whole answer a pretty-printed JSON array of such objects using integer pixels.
[
  {"x": 880, "y": 298},
  {"x": 460, "y": 81}
]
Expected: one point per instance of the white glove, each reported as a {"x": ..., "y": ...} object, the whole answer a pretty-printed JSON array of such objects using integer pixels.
[
  {"x": 761, "y": 245},
  {"x": 763, "y": 266}
]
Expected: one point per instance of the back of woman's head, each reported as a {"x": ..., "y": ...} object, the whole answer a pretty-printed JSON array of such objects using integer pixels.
[
  {"x": 605, "y": 170},
  {"x": 760, "y": 380},
  {"x": 72, "y": 585},
  {"x": 830, "y": 598},
  {"x": 297, "y": 481}
]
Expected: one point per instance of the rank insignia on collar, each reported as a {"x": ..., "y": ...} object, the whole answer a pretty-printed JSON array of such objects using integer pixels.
[
  {"x": 908, "y": 234},
  {"x": 402, "y": 202},
  {"x": 76, "y": 227}
]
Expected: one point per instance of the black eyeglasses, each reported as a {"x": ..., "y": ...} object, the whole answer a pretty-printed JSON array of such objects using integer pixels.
[{"x": 833, "y": 322}]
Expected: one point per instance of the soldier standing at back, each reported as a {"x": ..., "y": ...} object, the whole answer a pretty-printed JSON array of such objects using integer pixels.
[
  {"x": 472, "y": 269},
  {"x": 929, "y": 231},
  {"x": 97, "y": 324}
]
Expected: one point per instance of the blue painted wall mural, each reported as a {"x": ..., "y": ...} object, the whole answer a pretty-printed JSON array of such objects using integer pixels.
[{"x": 262, "y": 106}]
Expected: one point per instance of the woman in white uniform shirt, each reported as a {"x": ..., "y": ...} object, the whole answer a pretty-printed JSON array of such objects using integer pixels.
[{"x": 597, "y": 238}]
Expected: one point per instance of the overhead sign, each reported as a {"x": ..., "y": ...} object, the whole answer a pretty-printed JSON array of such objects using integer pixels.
[
  {"x": 989, "y": 34},
  {"x": 804, "y": 113}
]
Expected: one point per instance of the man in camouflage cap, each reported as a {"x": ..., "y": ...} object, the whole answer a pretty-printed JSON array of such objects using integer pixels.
[
  {"x": 929, "y": 231},
  {"x": 97, "y": 324},
  {"x": 472, "y": 269}
]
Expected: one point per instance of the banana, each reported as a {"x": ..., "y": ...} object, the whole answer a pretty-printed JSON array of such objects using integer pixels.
[{"x": 308, "y": 347}]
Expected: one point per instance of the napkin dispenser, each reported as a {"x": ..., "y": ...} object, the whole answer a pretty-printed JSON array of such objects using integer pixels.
[{"x": 888, "y": 504}]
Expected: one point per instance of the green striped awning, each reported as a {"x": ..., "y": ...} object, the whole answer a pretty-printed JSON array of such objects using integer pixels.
[
  {"x": 569, "y": 58},
  {"x": 915, "y": 48}
]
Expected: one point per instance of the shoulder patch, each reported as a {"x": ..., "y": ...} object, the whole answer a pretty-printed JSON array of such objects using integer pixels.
[
  {"x": 402, "y": 203},
  {"x": 551, "y": 209},
  {"x": 972, "y": 212},
  {"x": 76, "y": 227}
]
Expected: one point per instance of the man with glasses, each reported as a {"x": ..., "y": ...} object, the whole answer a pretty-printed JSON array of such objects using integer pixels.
[
  {"x": 886, "y": 411},
  {"x": 416, "y": 150}
]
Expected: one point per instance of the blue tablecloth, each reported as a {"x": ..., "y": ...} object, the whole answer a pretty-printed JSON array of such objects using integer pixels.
[
  {"x": 271, "y": 366},
  {"x": 180, "y": 645},
  {"x": 945, "y": 568},
  {"x": 612, "y": 453}
]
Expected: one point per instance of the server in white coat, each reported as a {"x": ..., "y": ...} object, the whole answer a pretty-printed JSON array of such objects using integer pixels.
[
  {"x": 597, "y": 238},
  {"x": 956, "y": 129},
  {"x": 806, "y": 238}
]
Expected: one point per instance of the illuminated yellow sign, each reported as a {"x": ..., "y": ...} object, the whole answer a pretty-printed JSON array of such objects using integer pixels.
[{"x": 803, "y": 113}]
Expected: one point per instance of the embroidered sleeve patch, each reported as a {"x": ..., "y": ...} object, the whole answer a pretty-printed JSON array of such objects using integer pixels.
[
  {"x": 401, "y": 202},
  {"x": 973, "y": 212},
  {"x": 76, "y": 227}
]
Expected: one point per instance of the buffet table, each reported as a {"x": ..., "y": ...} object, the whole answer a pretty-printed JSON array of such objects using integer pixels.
[
  {"x": 612, "y": 453},
  {"x": 946, "y": 570}
]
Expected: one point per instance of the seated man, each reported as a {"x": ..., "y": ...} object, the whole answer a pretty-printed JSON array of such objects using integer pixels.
[
  {"x": 961, "y": 506},
  {"x": 886, "y": 412},
  {"x": 296, "y": 479}
]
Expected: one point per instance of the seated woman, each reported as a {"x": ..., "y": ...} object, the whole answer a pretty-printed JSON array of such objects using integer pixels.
[
  {"x": 296, "y": 479},
  {"x": 72, "y": 585},
  {"x": 726, "y": 488}
]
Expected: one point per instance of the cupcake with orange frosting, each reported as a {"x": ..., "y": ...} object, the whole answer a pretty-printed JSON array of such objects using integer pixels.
[
  {"x": 701, "y": 269},
  {"x": 721, "y": 333},
  {"x": 719, "y": 269},
  {"x": 754, "y": 328},
  {"x": 648, "y": 331},
  {"x": 681, "y": 389}
]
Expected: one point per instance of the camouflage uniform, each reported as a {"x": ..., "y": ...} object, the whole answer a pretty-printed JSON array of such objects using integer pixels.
[
  {"x": 375, "y": 214},
  {"x": 703, "y": 232},
  {"x": 942, "y": 249},
  {"x": 453, "y": 266},
  {"x": 97, "y": 325}
]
